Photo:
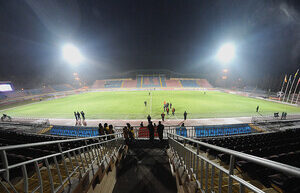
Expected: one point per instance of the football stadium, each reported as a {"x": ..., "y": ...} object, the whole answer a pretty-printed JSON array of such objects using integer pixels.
[{"x": 127, "y": 107}]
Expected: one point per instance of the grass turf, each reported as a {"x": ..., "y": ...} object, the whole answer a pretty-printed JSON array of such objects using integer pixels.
[{"x": 130, "y": 105}]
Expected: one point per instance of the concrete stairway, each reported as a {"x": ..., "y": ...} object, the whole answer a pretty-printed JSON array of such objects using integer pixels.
[{"x": 145, "y": 169}]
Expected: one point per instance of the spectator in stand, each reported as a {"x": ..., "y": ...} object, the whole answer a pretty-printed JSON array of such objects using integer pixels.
[
  {"x": 163, "y": 116},
  {"x": 131, "y": 134},
  {"x": 168, "y": 110},
  {"x": 128, "y": 126},
  {"x": 173, "y": 111},
  {"x": 111, "y": 131},
  {"x": 142, "y": 124},
  {"x": 184, "y": 115},
  {"x": 160, "y": 130},
  {"x": 126, "y": 134},
  {"x": 149, "y": 118},
  {"x": 105, "y": 126},
  {"x": 101, "y": 129},
  {"x": 151, "y": 132}
]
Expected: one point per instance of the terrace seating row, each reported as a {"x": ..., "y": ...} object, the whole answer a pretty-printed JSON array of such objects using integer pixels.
[
  {"x": 62, "y": 87},
  {"x": 173, "y": 83},
  {"x": 189, "y": 83},
  {"x": 113, "y": 83},
  {"x": 25, "y": 154},
  {"x": 283, "y": 147}
]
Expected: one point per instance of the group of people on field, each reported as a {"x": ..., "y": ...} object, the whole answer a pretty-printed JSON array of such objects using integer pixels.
[
  {"x": 78, "y": 119},
  {"x": 106, "y": 130},
  {"x": 167, "y": 107}
]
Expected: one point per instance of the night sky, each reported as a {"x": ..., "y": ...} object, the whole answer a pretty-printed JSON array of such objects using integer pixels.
[{"x": 116, "y": 36}]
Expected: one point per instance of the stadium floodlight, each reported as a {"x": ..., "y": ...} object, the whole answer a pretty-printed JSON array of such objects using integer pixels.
[
  {"x": 226, "y": 53},
  {"x": 72, "y": 54}
]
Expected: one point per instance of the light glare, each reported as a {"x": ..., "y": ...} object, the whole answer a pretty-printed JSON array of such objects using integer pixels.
[
  {"x": 226, "y": 53},
  {"x": 71, "y": 54}
]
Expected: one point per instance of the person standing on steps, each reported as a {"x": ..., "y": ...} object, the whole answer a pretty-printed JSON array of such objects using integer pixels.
[
  {"x": 149, "y": 118},
  {"x": 160, "y": 130},
  {"x": 145, "y": 102},
  {"x": 184, "y": 115},
  {"x": 168, "y": 110},
  {"x": 151, "y": 132},
  {"x": 170, "y": 105}
]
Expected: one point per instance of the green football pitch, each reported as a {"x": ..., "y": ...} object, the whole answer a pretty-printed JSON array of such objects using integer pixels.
[{"x": 130, "y": 105}]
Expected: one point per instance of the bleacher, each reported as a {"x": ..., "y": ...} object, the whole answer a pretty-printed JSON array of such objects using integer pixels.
[
  {"x": 113, "y": 83},
  {"x": 189, "y": 83},
  {"x": 74, "y": 131},
  {"x": 151, "y": 81},
  {"x": 163, "y": 81},
  {"x": 129, "y": 84},
  {"x": 16, "y": 156},
  {"x": 98, "y": 84},
  {"x": 173, "y": 83},
  {"x": 283, "y": 147},
  {"x": 62, "y": 87},
  {"x": 204, "y": 83},
  {"x": 40, "y": 163}
]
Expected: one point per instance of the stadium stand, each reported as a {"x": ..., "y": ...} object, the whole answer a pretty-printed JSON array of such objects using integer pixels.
[
  {"x": 151, "y": 81},
  {"x": 129, "y": 84},
  {"x": 189, "y": 83},
  {"x": 2, "y": 96},
  {"x": 60, "y": 165},
  {"x": 173, "y": 83},
  {"x": 283, "y": 147},
  {"x": 113, "y": 83},
  {"x": 62, "y": 87},
  {"x": 139, "y": 81},
  {"x": 204, "y": 83},
  {"x": 163, "y": 80}
]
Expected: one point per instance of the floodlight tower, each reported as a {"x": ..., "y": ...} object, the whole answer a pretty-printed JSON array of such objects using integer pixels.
[
  {"x": 225, "y": 55},
  {"x": 72, "y": 54}
]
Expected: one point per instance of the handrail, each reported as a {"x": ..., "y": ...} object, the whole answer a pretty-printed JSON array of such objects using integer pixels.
[
  {"x": 261, "y": 161},
  {"x": 91, "y": 156},
  {"x": 54, "y": 142}
]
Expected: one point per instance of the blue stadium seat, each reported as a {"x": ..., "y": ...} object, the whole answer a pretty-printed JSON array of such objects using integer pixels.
[
  {"x": 113, "y": 84},
  {"x": 189, "y": 83}
]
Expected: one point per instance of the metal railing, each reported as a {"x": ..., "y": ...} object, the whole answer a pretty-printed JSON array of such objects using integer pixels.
[
  {"x": 195, "y": 131},
  {"x": 204, "y": 169},
  {"x": 74, "y": 159}
]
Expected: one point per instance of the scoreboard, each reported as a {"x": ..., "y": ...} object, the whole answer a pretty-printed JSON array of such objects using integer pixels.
[{"x": 6, "y": 86}]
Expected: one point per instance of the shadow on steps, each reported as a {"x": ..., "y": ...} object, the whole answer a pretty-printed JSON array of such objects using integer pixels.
[{"x": 145, "y": 169}]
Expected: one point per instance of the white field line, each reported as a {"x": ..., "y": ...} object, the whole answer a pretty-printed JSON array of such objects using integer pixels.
[{"x": 150, "y": 103}]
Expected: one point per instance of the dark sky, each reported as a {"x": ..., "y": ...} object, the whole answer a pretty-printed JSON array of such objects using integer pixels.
[{"x": 122, "y": 35}]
